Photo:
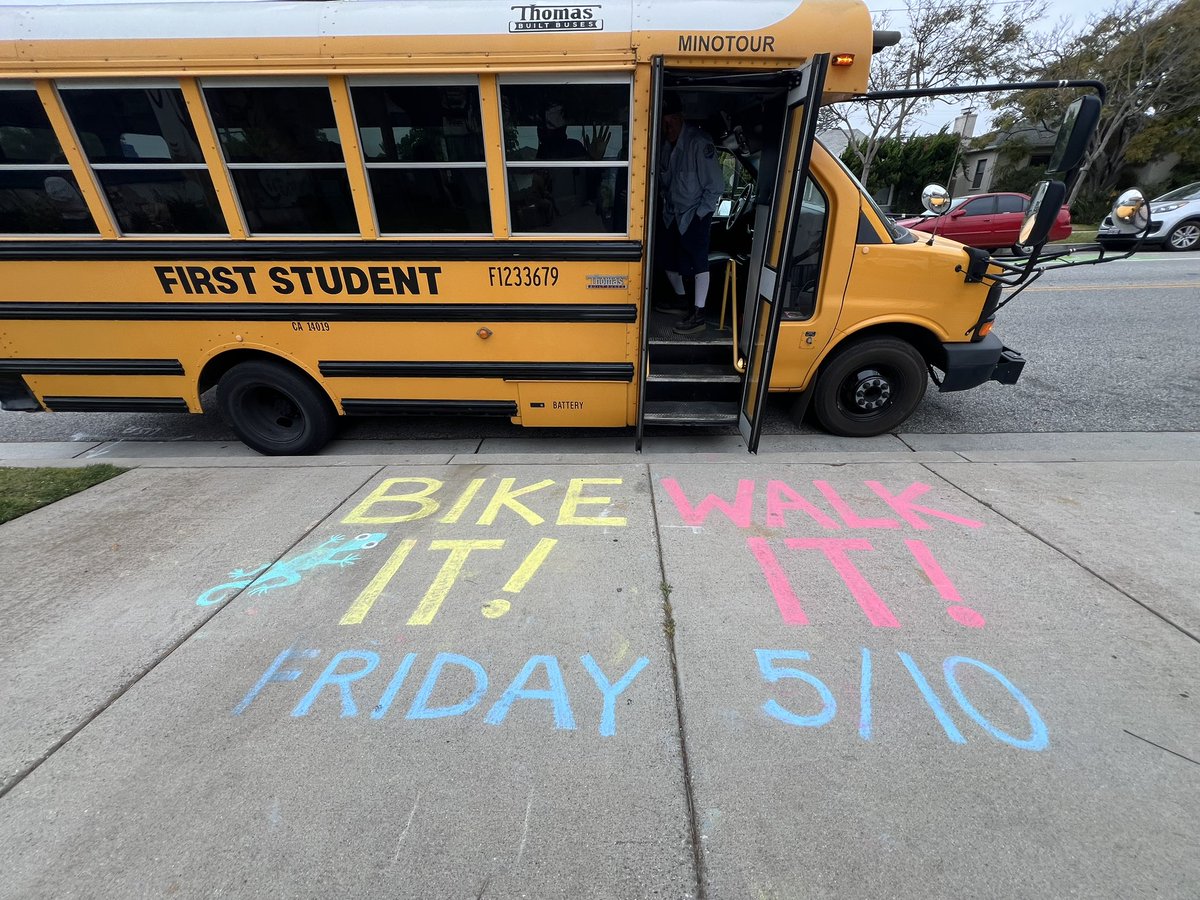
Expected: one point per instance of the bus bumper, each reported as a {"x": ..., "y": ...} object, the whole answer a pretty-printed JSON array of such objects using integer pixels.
[
  {"x": 970, "y": 365},
  {"x": 15, "y": 394}
]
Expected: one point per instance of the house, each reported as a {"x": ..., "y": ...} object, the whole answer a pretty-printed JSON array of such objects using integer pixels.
[
  {"x": 1025, "y": 144},
  {"x": 836, "y": 140}
]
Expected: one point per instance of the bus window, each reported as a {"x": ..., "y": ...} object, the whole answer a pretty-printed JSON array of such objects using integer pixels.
[
  {"x": 566, "y": 149},
  {"x": 285, "y": 157},
  {"x": 142, "y": 147},
  {"x": 423, "y": 147},
  {"x": 38, "y": 193},
  {"x": 804, "y": 268}
]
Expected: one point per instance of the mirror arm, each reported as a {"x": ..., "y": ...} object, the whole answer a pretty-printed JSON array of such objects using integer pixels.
[
  {"x": 1005, "y": 280},
  {"x": 957, "y": 89},
  {"x": 1102, "y": 258},
  {"x": 1007, "y": 267},
  {"x": 1023, "y": 276},
  {"x": 1032, "y": 272},
  {"x": 1019, "y": 274},
  {"x": 1030, "y": 278}
]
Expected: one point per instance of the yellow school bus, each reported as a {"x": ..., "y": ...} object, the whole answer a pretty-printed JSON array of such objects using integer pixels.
[{"x": 374, "y": 207}]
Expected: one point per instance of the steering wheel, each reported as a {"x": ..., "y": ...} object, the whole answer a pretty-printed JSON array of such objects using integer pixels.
[{"x": 740, "y": 205}]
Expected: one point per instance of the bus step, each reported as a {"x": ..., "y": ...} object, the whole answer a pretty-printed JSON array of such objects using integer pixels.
[
  {"x": 709, "y": 373},
  {"x": 692, "y": 392},
  {"x": 674, "y": 412},
  {"x": 701, "y": 353}
]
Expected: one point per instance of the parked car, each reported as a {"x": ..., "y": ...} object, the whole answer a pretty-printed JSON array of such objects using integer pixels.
[
  {"x": 1174, "y": 223},
  {"x": 990, "y": 221}
]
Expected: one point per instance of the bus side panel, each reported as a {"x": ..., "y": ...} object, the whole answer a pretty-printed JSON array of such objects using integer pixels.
[
  {"x": 460, "y": 331},
  {"x": 80, "y": 393},
  {"x": 573, "y": 404}
]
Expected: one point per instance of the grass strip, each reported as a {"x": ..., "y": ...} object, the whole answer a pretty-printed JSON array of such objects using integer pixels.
[
  {"x": 1079, "y": 236},
  {"x": 24, "y": 490}
]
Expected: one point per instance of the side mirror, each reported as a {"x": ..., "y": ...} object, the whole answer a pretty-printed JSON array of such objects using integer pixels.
[
  {"x": 1074, "y": 134},
  {"x": 935, "y": 198},
  {"x": 1131, "y": 212},
  {"x": 1048, "y": 197}
]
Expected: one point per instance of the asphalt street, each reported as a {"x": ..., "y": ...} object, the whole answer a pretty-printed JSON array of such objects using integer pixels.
[{"x": 1109, "y": 348}]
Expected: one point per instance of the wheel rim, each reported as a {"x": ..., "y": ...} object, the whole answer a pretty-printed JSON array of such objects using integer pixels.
[
  {"x": 869, "y": 393},
  {"x": 273, "y": 414},
  {"x": 1185, "y": 237}
]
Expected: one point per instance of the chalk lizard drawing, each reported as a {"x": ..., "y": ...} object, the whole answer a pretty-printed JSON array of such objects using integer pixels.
[{"x": 287, "y": 572}]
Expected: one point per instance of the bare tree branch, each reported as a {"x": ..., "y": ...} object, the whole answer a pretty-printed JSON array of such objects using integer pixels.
[{"x": 945, "y": 43}]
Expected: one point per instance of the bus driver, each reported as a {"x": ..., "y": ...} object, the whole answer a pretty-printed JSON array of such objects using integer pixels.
[{"x": 690, "y": 185}]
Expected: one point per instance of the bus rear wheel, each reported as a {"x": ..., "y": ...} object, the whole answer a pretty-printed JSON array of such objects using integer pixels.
[
  {"x": 275, "y": 409},
  {"x": 870, "y": 387}
]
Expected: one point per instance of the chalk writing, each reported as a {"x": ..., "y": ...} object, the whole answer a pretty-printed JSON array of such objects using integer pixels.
[
  {"x": 781, "y": 498},
  {"x": 971, "y": 702},
  {"x": 777, "y": 666},
  {"x": 443, "y": 582},
  {"x": 337, "y": 551},
  {"x": 835, "y": 552},
  {"x": 388, "y": 505},
  {"x": 341, "y": 676},
  {"x": 959, "y": 612}
]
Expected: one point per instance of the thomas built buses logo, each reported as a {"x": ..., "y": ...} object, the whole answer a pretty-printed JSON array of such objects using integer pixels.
[{"x": 569, "y": 17}]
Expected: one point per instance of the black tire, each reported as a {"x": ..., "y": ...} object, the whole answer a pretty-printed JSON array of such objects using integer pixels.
[
  {"x": 276, "y": 409},
  {"x": 869, "y": 387},
  {"x": 1184, "y": 236}
]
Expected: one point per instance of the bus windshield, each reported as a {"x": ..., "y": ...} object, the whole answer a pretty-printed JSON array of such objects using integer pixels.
[{"x": 897, "y": 233}]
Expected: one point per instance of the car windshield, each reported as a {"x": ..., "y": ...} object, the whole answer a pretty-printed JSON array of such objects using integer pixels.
[{"x": 1188, "y": 192}]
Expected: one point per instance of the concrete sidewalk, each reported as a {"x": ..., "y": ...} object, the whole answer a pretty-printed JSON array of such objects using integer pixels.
[{"x": 916, "y": 666}]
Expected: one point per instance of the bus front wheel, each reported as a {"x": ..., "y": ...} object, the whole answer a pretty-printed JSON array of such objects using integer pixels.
[
  {"x": 870, "y": 387},
  {"x": 275, "y": 410}
]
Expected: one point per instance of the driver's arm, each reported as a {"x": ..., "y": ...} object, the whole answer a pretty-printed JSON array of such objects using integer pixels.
[{"x": 712, "y": 179}]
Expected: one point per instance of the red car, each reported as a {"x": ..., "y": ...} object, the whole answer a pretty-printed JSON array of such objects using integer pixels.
[{"x": 990, "y": 221}]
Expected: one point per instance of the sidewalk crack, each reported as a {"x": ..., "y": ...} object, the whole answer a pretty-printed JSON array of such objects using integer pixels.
[
  {"x": 698, "y": 862},
  {"x": 1063, "y": 553},
  {"x": 1161, "y": 747}
]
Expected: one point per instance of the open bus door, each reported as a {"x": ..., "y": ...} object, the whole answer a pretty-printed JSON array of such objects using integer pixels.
[
  {"x": 651, "y": 225},
  {"x": 769, "y": 288}
]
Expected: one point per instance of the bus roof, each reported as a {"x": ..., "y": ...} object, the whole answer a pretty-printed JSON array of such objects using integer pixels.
[{"x": 98, "y": 37}]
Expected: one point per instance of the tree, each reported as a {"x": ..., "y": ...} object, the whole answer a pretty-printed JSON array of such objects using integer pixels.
[
  {"x": 908, "y": 165},
  {"x": 1147, "y": 53},
  {"x": 947, "y": 42}
]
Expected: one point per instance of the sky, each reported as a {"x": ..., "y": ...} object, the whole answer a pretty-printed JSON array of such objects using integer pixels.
[{"x": 940, "y": 113}]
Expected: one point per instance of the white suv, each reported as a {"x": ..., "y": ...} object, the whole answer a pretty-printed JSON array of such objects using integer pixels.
[{"x": 1174, "y": 222}]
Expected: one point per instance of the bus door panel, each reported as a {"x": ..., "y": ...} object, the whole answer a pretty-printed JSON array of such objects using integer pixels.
[{"x": 783, "y": 274}]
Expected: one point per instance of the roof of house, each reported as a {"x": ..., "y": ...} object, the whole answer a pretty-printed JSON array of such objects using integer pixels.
[
  {"x": 1032, "y": 133},
  {"x": 836, "y": 140}
]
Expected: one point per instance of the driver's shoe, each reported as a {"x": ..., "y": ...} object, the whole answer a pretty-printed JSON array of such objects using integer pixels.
[
  {"x": 692, "y": 324},
  {"x": 664, "y": 305}
]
